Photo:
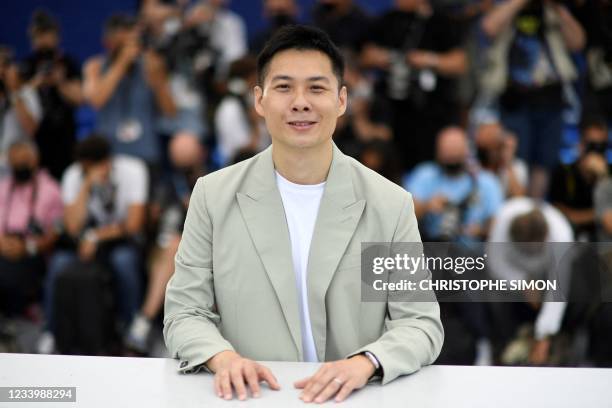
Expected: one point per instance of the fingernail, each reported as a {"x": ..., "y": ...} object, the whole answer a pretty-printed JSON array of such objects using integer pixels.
[
  {"x": 319, "y": 400},
  {"x": 241, "y": 397},
  {"x": 227, "y": 396},
  {"x": 256, "y": 395}
]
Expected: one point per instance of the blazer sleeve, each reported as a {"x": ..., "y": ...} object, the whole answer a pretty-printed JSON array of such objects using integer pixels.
[
  {"x": 190, "y": 319},
  {"x": 413, "y": 333}
]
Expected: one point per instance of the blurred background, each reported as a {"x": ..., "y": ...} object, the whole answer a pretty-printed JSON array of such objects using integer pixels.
[{"x": 494, "y": 114}]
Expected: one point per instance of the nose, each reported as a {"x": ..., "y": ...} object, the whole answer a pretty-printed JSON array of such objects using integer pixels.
[{"x": 300, "y": 103}]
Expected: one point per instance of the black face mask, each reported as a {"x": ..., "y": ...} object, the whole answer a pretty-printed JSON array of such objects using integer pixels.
[
  {"x": 452, "y": 169},
  {"x": 22, "y": 174},
  {"x": 483, "y": 156},
  {"x": 46, "y": 53},
  {"x": 593, "y": 147},
  {"x": 329, "y": 7},
  {"x": 281, "y": 19}
]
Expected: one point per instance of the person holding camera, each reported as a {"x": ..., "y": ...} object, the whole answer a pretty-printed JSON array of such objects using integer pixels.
[
  {"x": 56, "y": 77},
  {"x": 128, "y": 87},
  {"x": 453, "y": 202},
  {"x": 30, "y": 210},
  {"x": 418, "y": 53},
  {"x": 20, "y": 110},
  {"x": 528, "y": 64},
  {"x": 496, "y": 152},
  {"x": 104, "y": 196}
]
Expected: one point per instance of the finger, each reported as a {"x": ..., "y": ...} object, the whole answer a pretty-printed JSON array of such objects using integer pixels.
[
  {"x": 266, "y": 375},
  {"x": 345, "y": 391},
  {"x": 330, "y": 390},
  {"x": 238, "y": 382},
  {"x": 302, "y": 383},
  {"x": 251, "y": 377},
  {"x": 318, "y": 382},
  {"x": 218, "y": 390},
  {"x": 226, "y": 386}
]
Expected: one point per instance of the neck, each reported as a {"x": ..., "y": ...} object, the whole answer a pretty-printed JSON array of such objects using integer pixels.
[{"x": 303, "y": 166}]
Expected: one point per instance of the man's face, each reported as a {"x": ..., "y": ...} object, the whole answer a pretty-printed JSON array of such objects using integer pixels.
[
  {"x": 452, "y": 151},
  {"x": 47, "y": 40},
  {"x": 300, "y": 99},
  {"x": 594, "y": 140}
]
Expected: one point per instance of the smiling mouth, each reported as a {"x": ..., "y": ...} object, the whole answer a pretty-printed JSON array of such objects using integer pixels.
[{"x": 301, "y": 124}]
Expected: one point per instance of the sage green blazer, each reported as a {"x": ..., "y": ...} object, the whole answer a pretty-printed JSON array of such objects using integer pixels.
[{"x": 234, "y": 286}]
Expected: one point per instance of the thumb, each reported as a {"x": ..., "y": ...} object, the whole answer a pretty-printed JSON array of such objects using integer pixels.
[{"x": 301, "y": 383}]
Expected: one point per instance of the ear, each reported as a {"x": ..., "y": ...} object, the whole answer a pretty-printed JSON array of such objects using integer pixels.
[
  {"x": 343, "y": 98},
  {"x": 257, "y": 96}
]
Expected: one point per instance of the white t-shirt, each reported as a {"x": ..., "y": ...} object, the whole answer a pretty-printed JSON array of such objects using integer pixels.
[
  {"x": 301, "y": 203},
  {"x": 129, "y": 183},
  {"x": 550, "y": 317},
  {"x": 11, "y": 130}
]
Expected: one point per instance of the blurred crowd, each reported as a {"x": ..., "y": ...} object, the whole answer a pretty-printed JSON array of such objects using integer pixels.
[{"x": 494, "y": 114}]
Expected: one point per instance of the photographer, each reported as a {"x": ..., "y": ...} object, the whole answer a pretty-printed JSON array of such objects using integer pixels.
[
  {"x": 20, "y": 109},
  {"x": 56, "y": 78},
  {"x": 104, "y": 197},
  {"x": 451, "y": 202},
  {"x": 128, "y": 86},
  {"x": 572, "y": 186},
  {"x": 419, "y": 53},
  {"x": 496, "y": 150},
  {"x": 528, "y": 64},
  {"x": 30, "y": 208}
]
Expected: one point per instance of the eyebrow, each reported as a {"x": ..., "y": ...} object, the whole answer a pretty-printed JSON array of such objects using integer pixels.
[{"x": 310, "y": 79}]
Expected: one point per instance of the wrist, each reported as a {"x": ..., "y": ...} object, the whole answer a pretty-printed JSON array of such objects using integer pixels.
[
  {"x": 91, "y": 236},
  {"x": 368, "y": 365},
  {"x": 220, "y": 359},
  {"x": 31, "y": 246}
]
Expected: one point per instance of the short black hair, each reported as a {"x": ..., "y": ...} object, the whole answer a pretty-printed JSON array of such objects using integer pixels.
[
  {"x": 43, "y": 22},
  {"x": 94, "y": 148},
  {"x": 302, "y": 38},
  {"x": 119, "y": 21},
  {"x": 589, "y": 121}
]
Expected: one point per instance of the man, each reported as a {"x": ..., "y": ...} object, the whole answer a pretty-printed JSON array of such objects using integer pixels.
[
  {"x": 20, "y": 110},
  {"x": 452, "y": 202},
  {"x": 528, "y": 61},
  {"x": 419, "y": 51},
  {"x": 302, "y": 205},
  {"x": 187, "y": 156},
  {"x": 572, "y": 186},
  {"x": 495, "y": 149},
  {"x": 56, "y": 77},
  {"x": 30, "y": 210},
  {"x": 278, "y": 13},
  {"x": 127, "y": 86},
  {"x": 104, "y": 197},
  {"x": 343, "y": 20}
]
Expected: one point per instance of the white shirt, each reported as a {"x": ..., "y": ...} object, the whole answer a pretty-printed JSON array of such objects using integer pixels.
[
  {"x": 130, "y": 181},
  {"x": 301, "y": 203},
  {"x": 551, "y": 314}
]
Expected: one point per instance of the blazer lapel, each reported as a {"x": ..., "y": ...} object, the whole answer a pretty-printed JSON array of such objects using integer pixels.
[
  {"x": 263, "y": 213},
  {"x": 339, "y": 214}
]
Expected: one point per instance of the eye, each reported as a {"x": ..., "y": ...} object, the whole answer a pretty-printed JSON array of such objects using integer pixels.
[
  {"x": 317, "y": 88},
  {"x": 282, "y": 87}
]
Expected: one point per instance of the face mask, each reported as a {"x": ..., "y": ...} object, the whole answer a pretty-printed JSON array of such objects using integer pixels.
[
  {"x": 328, "y": 7},
  {"x": 282, "y": 19},
  {"x": 452, "y": 169},
  {"x": 45, "y": 53},
  {"x": 593, "y": 147},
  {"x": 22, "y": 174},
  {"x": 483, "y": 156}
]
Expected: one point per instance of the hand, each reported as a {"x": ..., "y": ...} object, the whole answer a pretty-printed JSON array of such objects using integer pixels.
[
  {"x": 231, "y": 368},
  {"x": 508, "y": 150},
  {"x": 337, "y": 378},
  {"x": 422, "y": 59},
  {"x": 155, "y": 71},
  {"x": 96, "y": 175},
  {"x": 87, "y": 249},
  {"x": 13, "y": 248},
  {"x": 436, "y": 204},
  {"x": 596, "y": 165},
  {"x": 540, "y": 351},
  {"x": 129, "y": 52},
  {"x": 11, "y": 79}
]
